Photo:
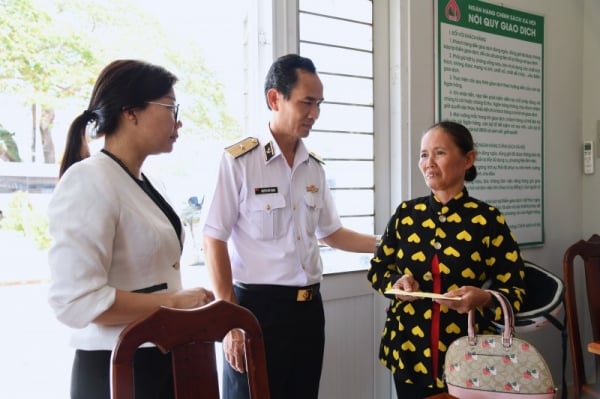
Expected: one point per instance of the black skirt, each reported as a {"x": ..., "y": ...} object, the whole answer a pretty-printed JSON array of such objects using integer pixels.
[{"x": 90, "y": 377}]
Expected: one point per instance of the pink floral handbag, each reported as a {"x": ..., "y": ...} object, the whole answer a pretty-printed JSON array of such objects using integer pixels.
[{"x": 496, "y": 366}]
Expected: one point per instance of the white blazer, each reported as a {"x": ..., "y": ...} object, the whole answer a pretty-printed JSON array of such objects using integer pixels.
[{"x": 108, "y": 234}]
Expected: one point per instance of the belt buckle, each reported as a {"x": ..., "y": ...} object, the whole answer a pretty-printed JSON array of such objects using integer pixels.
[{"x": 304, "y": 295}]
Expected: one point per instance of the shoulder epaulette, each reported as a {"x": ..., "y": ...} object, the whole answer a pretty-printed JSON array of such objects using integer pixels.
[
  {"x": 317, "y": 158},
  {"x": 242, "y": 147}
]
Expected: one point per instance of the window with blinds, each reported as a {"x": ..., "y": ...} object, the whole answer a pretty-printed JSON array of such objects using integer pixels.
[{"x": 338, "y": 36}]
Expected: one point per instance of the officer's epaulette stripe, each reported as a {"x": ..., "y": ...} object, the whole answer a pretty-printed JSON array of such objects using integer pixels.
[
  {"x": 317, "y": 158},
  {"x": 242, "y": 147}
]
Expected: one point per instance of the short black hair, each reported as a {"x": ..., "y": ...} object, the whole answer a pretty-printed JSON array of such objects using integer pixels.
[{"x": 283, "y": 74}]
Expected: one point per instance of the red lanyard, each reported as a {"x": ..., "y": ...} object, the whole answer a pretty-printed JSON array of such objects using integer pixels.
[{"x": 435, "y": 316}]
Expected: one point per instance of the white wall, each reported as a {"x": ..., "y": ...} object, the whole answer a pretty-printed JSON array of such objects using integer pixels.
[
  {"x": 571, "y": 95},
  {"x": 591, "y": 112}
]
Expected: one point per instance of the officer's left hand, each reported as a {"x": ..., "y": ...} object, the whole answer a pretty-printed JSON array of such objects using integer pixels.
[{"x": 233, "y": 346}]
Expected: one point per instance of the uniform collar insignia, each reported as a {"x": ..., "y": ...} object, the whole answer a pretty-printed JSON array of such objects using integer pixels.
[{"x": 269, "y": 151}]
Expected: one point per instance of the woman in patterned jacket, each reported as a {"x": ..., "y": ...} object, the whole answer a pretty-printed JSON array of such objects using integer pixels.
[{"x": 447, "y": 243}]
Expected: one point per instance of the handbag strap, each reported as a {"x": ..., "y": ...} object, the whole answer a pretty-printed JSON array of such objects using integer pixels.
[{"x": 509, "y": 320}]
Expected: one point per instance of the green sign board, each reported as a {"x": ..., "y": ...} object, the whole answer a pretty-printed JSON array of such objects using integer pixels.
[{"x": 490, "y": 68}]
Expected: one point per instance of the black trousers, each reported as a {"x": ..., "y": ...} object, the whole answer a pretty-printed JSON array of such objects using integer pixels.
[
  {"x": 90, "y": 378},
  {"x": 413, "y": 391},
  {"x": 294, "y": 334}
]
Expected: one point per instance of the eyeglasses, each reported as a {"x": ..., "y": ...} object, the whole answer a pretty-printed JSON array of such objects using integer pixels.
[{"x": 174, "y": 107}]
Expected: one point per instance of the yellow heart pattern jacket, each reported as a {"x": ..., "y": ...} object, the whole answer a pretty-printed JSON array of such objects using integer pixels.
[{"x": 473, "y": 245}]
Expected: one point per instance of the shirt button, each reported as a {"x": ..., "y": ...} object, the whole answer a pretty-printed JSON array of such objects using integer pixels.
[
  {"x": 268, "y": 207},
  {"x": 437, "y": 245},
  {"x": 442, "y": 218}
]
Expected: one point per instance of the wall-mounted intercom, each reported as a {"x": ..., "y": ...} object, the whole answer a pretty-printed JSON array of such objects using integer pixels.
[{"x": 588, "y": 157}]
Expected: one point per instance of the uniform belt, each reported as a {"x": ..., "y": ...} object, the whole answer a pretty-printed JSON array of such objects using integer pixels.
[{"x": 283, "y": 292}]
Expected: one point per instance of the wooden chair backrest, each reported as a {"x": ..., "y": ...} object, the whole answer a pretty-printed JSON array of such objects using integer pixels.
[
  {"x": 589, "y": 252},
  {"x": 190, "y": 336}
]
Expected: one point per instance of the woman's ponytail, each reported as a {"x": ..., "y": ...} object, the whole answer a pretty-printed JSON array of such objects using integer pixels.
[{"x": 76, "y": 147}]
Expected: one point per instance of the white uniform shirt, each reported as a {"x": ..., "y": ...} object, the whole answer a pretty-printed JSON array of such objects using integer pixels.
[
  {"x": 108, "y": 234},
  {"x": 272, "y": 215}
]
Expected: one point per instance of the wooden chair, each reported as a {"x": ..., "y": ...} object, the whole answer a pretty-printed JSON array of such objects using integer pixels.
[
  {"x": 189, "y": 335},
  {"x": 589, "y": 252}
]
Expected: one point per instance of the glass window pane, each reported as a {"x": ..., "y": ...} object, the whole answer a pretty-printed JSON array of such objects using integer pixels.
[
  {"x": 316, "y": 28},
  {"x": 56, "y": 67},
  {"x": 358, "y": 10},
  {"x": 335, "y": 261},
  {"x": 346, "y": 118},
  {"x": 362, "y": 223},
  {"x": 353, "y": 202},
  {"x": 338, "y": 176},
  {"x": 337, "y": 60},
  {"x": 346, "y": 89},
  {"x": 341, "y": 145}
]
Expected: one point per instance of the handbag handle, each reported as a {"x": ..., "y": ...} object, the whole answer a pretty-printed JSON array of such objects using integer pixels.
[{"x": 509, "y": 321}]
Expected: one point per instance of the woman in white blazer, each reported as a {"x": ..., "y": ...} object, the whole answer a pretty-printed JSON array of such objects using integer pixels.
[{"x": 117, "y": 241}]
